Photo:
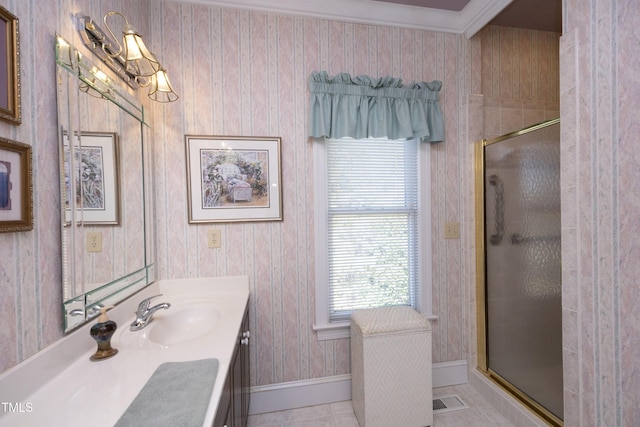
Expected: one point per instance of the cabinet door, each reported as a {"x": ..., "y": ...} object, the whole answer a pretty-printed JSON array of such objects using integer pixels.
[
  {"x": 236, "y": 405},
  {"x": 241, "y": 378},
  {"x": 233, "y": 410},
  {"x": 223, "y": 414},
  {"x": 245, "y": 377}
]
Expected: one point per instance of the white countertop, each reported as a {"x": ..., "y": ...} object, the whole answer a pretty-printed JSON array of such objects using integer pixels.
[{"x": 86, "y": 393}]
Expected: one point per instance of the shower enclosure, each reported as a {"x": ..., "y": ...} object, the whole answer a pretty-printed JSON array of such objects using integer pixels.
[{"x": 519, "y": 267}]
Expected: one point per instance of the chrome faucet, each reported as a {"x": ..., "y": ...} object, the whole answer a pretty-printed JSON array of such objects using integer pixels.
[{"x": 144, "y": 315}]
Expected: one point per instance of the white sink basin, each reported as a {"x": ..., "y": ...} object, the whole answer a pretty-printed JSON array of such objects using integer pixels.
[
  {"x": 59, "y": 380},
  {"x": 182, "y": 322}
]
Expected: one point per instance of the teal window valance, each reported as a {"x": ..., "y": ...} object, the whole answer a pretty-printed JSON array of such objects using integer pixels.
[{"x": 364, "y": 107}]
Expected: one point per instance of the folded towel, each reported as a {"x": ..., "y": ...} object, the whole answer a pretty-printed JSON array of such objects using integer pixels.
[{"x": 176, "y": 395}]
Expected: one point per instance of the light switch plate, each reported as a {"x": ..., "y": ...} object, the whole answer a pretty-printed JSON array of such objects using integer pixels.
[{"x": 451, "y": 230}]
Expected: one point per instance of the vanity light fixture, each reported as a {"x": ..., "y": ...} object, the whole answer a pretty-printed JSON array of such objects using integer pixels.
[
  {"x": 131, "y": 60},
  {"x": 138, "y": 60},
  {"x": 94, "y": 80},
  {"x": 161, "y": 89}
]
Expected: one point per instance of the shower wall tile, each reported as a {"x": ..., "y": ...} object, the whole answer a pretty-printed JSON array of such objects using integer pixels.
[
  {"x": 519, "y": 63},
  {"x": 520, "y": 78},
  {"x": 493, "y": 121},
  {"x": 510, "y": 119},
  {"x": 534, "y": 112}
]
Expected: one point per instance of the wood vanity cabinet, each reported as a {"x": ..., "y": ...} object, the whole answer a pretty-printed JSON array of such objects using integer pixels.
[{"x": 233, "y": 409}]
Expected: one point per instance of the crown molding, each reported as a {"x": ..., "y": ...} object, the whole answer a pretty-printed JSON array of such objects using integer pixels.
[
  {"x": 468, "y": 21},
  {"x": 479, "y": 13}
]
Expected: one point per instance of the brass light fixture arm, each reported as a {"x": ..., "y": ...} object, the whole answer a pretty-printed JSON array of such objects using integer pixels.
[
  {"x": 140, "y": 69},
  {"x": 101, "y": 44},
  {"x": 113, "y": 36}
]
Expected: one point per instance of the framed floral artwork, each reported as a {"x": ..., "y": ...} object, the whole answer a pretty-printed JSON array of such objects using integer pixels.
[
  {"x": 233, "y": 178},
  {"x": 96, "y": 185}
]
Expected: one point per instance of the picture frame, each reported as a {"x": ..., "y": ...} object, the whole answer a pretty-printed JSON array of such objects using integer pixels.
[
  {"x": 97, "y": 179},
  {"x": 16, "y": 186},
  {"x": 9, "y": 67},
  {"x": 233, "y": 178}
]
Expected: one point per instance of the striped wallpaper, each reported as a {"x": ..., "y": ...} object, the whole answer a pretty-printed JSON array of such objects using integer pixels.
[
  {"x": 249, "y": 78},
  {"x": 600, "y": 212},
  {"x": 244, "y": 73}
]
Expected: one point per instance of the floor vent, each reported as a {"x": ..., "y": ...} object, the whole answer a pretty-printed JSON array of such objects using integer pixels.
[{"x": 448, "y": 403}]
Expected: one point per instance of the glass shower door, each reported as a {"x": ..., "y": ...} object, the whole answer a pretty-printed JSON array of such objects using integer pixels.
[{"x": 522, "y": 265}]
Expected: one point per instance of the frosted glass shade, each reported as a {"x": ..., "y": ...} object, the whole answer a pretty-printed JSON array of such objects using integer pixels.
[
  {"x": 161, "y": 89},
  {"x": 138, "y": 59}
]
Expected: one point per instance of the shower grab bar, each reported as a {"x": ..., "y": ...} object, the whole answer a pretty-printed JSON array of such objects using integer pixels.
[
  {"x": 517, "y": 239},
  {"x": 495, "y": 181}
]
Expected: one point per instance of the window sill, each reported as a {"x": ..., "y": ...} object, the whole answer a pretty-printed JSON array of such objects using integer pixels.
[{"x": 333, "y": 331}]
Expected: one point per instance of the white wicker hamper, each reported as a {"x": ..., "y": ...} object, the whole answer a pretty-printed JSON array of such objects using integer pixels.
[{"x": 391, "y": 367}]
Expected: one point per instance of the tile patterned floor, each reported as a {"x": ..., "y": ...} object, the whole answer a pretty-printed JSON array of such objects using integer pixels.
[{"x": 478, "y": 414}]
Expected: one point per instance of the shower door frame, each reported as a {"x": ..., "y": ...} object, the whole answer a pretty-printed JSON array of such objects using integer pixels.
[{"x": 481, "y": 286}]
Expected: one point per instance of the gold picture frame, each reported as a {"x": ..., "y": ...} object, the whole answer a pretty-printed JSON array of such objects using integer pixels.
[
  {"x": 9, "y": 67},
  {"x": 16, "y": 187},
  {"x": 233, "y": 178}
]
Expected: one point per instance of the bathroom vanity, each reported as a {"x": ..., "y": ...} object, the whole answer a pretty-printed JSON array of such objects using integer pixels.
[
  {"x": 233, "y": 407},
  {"x": 208, "y": 319}
]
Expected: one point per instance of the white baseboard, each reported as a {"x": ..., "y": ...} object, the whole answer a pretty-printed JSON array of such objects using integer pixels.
[
  {"x": 449, "y": 373},
  {"x": 297, "y": 394}
]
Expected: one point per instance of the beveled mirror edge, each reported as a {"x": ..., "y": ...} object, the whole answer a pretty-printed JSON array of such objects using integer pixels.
[
  {"x": 73, "y": 61},
  {"x": 81, "y": 308}
]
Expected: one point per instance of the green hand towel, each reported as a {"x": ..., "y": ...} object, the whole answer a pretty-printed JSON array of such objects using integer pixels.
[{"x": 176, "y": 395}]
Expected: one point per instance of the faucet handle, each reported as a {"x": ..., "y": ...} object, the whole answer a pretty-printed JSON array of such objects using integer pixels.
[{"x": 144, "y": 304}]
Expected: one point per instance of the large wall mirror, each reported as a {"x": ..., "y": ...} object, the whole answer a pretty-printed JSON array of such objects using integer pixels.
[{"x": 105, "y": 184}]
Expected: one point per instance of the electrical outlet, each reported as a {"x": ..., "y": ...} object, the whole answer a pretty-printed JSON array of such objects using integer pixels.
[
  {"x": 214, "y": 239},
  {"x": 94, "y": 241},
  {"x": 451, "y": 230}
]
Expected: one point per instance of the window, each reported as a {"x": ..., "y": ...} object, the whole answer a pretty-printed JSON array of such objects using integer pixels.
[{"x": 368, "y": 241}]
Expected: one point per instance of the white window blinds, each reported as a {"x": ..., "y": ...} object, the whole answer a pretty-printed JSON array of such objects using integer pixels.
[{"x": 372, "y": 195}]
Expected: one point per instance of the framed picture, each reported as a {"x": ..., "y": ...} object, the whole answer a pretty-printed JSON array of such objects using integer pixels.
[
  {"x": 96, "y": 186},
  {"x": 233, "y": 178},
  {"x": 16, "y": 188},
  {"x": 9, "y": 67}
]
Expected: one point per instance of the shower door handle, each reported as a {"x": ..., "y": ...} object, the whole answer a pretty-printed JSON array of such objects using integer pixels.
[{"x": 495, "y": 181}]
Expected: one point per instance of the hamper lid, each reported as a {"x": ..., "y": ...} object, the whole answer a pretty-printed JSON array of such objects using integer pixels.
[{"x": 389, "y": 319}]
